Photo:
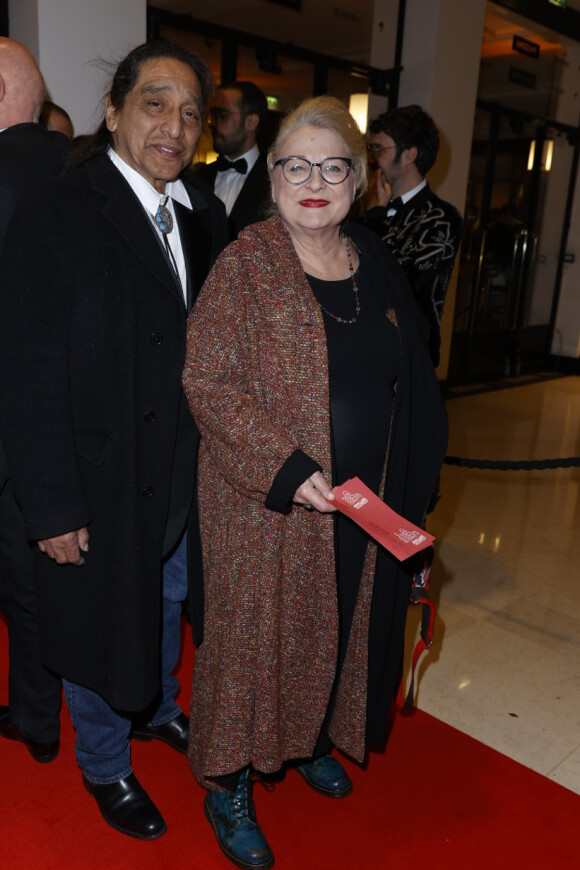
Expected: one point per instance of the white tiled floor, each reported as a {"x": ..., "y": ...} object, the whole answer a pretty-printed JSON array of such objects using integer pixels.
[{"x": 505, "y": 662}]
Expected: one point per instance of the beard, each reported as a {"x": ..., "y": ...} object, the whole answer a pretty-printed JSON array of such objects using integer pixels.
[{"x": 227, "y": 145}]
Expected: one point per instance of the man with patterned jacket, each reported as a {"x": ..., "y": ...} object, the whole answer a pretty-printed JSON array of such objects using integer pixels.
[{"x": 421, "y": 230}]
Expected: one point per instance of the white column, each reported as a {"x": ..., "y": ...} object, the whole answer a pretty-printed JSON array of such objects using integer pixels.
[
  {"x": 77, "y": 45},
  {"x": 383, "y": 46},
  {"x": 441, "y": 51}
]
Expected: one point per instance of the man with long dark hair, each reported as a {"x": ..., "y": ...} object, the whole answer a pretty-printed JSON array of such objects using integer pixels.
[{"x": 99, "y": 271}]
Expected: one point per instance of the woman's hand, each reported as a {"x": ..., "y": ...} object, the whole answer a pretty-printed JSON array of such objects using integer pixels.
[{"x": 315, "y": 493}]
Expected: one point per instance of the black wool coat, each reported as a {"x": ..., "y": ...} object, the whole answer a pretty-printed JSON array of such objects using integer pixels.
[
  {"x": 93, "y": 326},
  {"x": 29, "y": 154}
]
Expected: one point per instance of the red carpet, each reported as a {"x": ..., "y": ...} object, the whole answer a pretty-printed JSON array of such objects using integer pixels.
[{"x": 436, "y": 799}]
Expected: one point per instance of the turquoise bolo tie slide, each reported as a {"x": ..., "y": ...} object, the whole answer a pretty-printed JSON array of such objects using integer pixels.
[{"x": 163, "y": 219}]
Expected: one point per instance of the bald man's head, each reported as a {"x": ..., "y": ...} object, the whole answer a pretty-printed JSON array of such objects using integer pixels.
[{"x": 21, "y": 85}]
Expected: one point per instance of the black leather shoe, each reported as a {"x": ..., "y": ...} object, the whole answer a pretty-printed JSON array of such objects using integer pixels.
[
  {"x": 175, "y": 733},
  {"x": 41, "y": 752},
  {"x": 127, "y": 807}
]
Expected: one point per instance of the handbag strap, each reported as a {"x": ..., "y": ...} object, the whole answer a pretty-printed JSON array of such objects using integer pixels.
[{"x": 419, "y": 595}]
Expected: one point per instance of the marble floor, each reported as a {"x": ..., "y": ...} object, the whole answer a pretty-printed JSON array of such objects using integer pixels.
[{"x": 505, "y": 662}]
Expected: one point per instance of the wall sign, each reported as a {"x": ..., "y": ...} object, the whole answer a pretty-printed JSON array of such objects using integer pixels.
[
  {"x": 524, "y": 46},
  {"x": 521, "y": 77}
]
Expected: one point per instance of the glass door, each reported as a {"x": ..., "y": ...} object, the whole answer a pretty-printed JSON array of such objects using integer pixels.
[{"x": 520, "y": 175}]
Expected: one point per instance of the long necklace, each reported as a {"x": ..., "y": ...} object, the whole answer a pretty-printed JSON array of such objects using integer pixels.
[{"x": 354, "y": 287}]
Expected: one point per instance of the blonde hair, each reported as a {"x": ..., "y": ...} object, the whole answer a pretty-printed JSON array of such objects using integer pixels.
[{"x": 327, "y": 113}]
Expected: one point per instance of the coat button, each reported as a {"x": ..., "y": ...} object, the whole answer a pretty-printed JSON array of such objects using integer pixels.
[
  {"x": 148, "y": 491},
  {"x": 150, "y": 417},
  {"x": 156, "y": 338}
]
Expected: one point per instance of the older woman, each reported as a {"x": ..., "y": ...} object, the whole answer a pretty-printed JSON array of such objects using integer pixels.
[{"x": 305, "y": 367}]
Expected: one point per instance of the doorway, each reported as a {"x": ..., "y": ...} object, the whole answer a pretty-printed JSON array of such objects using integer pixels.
[{"x": 521, "y": 181}]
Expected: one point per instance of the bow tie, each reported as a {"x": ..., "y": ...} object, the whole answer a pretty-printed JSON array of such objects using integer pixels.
[
  {"x": 240, "y": 165},
  {"x": 395, "y": 204}
]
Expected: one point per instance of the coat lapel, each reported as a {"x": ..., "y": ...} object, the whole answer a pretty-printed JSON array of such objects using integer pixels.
[
  {"x": 196, "y": 241},
  {"x": 122, "y": 208},
  {"x": 253, "y": 199},
  {"x": 411, "y": 206}
]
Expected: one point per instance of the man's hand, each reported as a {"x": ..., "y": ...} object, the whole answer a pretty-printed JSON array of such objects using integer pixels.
[
  {"x": 379, "y": 191},
  {"x": 315, "y": 493},
  {"x": 67, "y": 549}
]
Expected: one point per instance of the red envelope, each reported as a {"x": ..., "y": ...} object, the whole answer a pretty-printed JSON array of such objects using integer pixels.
[{"x": 399, "y": 536}]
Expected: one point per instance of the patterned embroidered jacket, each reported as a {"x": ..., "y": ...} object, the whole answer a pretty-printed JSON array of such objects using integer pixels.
[{"x": 424, "y": 236}]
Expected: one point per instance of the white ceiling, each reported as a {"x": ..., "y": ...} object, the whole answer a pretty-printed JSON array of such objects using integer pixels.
[
  {"x": 331, "y": 31},
  {"x": 340, "y": 29}
]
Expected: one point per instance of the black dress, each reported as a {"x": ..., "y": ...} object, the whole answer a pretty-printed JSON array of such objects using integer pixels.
[{"x": 363, "y": 359}]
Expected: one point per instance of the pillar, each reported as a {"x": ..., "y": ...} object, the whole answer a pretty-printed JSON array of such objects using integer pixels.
[
  {"x": 77, "y": 45},
  {"x": 441, "y": 52}
]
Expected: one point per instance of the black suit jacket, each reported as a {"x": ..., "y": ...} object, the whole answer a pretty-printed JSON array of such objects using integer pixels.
[
  {"x": 29, "y": 154},
  {"x": 91, "y": 404},
  {"x": 253, "y": 199}
]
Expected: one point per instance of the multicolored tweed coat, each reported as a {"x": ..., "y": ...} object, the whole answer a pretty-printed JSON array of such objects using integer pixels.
[{"x": 256, "y": 378}]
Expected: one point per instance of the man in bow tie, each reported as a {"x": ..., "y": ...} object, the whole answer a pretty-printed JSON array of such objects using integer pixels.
[
  {"x": 420, "y": 229},
  {"x": 99, "y": 270},
  {"x": 239, "y": 176}
]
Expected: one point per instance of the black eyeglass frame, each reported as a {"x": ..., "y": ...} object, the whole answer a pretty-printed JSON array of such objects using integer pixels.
[
  {"x": 284, "y": 160},
  {"x": 376, "y": 150}
]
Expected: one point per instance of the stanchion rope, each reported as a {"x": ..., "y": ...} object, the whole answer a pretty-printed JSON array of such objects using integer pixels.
[{"x": 517, "y": 465}]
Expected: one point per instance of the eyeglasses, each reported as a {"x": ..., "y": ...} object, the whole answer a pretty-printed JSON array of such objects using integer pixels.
[
  {"x": 218, "y": 115},
  {"x": 376, "y": 150},
  {"x": 297, "y": 170}
]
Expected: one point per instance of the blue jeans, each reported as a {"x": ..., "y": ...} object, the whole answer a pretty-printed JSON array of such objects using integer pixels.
[{"x": 102, "y": 734}]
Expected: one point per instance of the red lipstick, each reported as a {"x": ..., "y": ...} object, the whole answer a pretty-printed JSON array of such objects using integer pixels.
[{"x": 313, "y": 203}]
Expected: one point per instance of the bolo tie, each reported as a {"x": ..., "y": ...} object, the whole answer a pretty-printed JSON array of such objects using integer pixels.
[{"x": 164, "y": 221}]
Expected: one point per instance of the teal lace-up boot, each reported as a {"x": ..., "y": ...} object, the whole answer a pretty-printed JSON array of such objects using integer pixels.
[
  {"x": 233, "y": 817},
  {"x": 327, "y": 776}
]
